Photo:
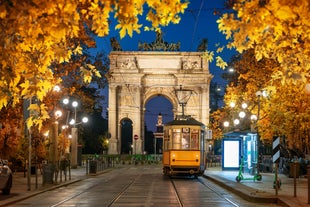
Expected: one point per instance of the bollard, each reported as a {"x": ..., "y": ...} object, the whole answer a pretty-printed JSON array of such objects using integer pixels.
[{"x": 308, "y": 176}]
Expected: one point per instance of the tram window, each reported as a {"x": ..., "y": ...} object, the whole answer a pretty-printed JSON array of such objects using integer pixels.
[
  {"x": 194, "y": 141},
  {"x": 166, "y": 139},
  {"x": 170, "y": 141},
  {"x": 185, "y": 138},
  {"x": 176, "y": 142}
]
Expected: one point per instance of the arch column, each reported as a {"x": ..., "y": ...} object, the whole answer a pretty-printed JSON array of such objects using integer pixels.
[
  {"x": 137, "y": 128},
  {"x": 113, "y": 142},
  {"x": 205, "y": 105}
]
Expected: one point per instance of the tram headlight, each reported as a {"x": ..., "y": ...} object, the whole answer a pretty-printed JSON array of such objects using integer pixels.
[
  {"x": 173, "y": 157},
  {"x": 197, "y": 158}
]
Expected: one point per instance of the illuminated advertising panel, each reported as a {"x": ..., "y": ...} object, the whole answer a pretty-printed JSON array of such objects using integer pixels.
[{"x": 231, "y": 151}]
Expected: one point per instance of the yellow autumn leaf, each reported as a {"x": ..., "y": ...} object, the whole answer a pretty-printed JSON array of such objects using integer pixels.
[
  {"x": 208, "y": 55},
  {"x": 220, "y": 62},
  {"x": 78, "y": 50},
  {"x": 3, "y": 101},
  {"x": 33, "y": 107},
  {"x": 97, "y": 73},
  {"x": 220, "y": 49},
  {"x": 90, "y": 66},
  {"x": 29, "y": 122},
  {"x": 122, "y": 31},
  {"x": 284, "y": 12}
]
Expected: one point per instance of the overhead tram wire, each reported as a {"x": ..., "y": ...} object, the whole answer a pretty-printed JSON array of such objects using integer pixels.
[
  {"x": 196, "y": 18},
  {"x": 196, "y": 23}
]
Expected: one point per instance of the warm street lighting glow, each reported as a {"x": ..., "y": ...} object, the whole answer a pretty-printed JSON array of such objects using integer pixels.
[
  {"x": 261, "y": 93},
  {"x": 232, "y": 104},
  {"x": 84, "y": 119},
  {"x": 253, "y": 117},
  {"x": 226, "y": 124},
  {"x": 46, "y": 134},
  {"x": 58, "y": 114},
  {"x": 244, "y": 105},
  {"x": 56, "y": 88},
  {"x": 65, "y": 101},
  {"x": 72, "y": 122},
  {"x": 74, "y": 132},
  {"x": 75, "y": 104},
  {"x": 236, "y": 121},
  {"x": 231, "y": 69},
  {"x": 242, "y": 114}
]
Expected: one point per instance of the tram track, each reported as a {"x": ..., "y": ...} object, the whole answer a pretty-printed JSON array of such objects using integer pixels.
[
  {"x": 176, "y": 193},
  {"x": 119, "y": 195},
  {"x": 117, "y": 198},
  {"x": 111, "y": 202},
  {"x": 176, "y": 183},
  {"x": 209, "y": 186},
  {"x": 188, "y": 192}
]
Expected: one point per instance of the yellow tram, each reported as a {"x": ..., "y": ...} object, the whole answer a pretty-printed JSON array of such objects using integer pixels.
[{"x": 183, "y": 148}]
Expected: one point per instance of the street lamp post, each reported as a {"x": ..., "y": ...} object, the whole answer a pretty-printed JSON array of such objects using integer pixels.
[
  {"x": 74, "y": 133},
  {"x": 258, "y": 94}
]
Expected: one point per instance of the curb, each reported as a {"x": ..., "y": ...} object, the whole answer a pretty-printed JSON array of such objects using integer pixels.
[
  {"x": 245, "y": 192},
  {"x": 39, "y": 191}
]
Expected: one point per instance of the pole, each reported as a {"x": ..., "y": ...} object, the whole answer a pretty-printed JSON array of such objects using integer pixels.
[
  {"x": 53, "y": 151},
  {"x": 155, "y": 149},
  {"x": 29, "y": 161},
  {"x": 276, "y": 179},
  {"x": 27, "y": 132},
  {"x": 74, "y": 132},
  {"x": 258, "y": 137},
  {"x": 308, "y": 175},
  {"x": 295, "y": 172}
]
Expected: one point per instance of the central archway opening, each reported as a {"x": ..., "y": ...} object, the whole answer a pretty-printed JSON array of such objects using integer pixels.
[{"x": 153, "y": 107}]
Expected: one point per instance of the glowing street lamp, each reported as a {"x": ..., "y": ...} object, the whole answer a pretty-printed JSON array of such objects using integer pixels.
[{"x": 74, "y": 132}]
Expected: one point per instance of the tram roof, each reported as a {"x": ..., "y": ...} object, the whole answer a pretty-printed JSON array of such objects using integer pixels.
[{"x": 185, "y": 120}]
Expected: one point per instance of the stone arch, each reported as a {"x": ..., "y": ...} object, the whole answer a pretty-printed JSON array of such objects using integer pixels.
[
  {"x": 168, "y": 95},
  {"x": 136, "y": 77}
]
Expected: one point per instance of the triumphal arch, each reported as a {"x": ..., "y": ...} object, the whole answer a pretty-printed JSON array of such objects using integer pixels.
[{"x": 135, "y": 77}]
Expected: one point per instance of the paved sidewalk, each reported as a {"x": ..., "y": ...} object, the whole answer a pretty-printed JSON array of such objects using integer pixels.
[
  {"x": 263, "y": 191},
  {"x": 20, "y": 189}
]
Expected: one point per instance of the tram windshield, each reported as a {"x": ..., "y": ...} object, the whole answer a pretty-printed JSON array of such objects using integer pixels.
[{"x": 185, "y": 138}]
